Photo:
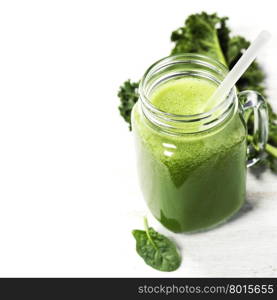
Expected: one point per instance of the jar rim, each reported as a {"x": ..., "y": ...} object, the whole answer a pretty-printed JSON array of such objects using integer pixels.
[{"x": 203, "y": 60}]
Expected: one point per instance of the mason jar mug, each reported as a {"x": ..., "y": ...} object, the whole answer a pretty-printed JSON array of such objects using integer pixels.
[{"x": 192, "y": 168}]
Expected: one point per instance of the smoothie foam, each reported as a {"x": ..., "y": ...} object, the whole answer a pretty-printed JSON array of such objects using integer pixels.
[{"x": 186, "y": 96}]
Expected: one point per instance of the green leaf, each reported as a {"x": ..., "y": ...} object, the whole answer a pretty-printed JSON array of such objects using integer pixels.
[
  {"x": 156, "y": 250},
  {"x": 128, "y": 95},
  {"x": 200, "y": 34}
]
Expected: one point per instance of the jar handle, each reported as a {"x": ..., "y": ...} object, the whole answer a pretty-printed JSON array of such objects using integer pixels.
[{"x": 253, "y": 102}]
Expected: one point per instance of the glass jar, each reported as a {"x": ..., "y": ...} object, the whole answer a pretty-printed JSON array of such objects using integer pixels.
[{"x": 192, "y": 168}]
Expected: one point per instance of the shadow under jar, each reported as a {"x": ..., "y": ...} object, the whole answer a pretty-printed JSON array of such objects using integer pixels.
[{"x": 192, "y": 168}]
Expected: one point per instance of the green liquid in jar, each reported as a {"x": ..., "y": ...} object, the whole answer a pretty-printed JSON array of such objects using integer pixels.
[{"x": 195, "y": 181}]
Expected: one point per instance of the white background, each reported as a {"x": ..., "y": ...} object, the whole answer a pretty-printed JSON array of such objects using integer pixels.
[{"x": 69, "y": 196}]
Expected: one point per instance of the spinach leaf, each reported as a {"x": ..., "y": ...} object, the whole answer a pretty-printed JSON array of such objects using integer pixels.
[{"x": 157, "y": 250}]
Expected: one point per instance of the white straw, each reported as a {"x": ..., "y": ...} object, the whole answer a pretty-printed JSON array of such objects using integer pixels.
[{"x": 240, "y": 67}]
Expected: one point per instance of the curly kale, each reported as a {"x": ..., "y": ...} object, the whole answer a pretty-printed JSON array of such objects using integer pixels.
[
  {"x": 128, "y": 94},
  {"x": 209, "y": 35},
  {"x": 200, "y": 35}
]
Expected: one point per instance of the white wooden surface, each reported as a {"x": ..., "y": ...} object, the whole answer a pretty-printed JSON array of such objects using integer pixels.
[{"x": 69, "y": 196}]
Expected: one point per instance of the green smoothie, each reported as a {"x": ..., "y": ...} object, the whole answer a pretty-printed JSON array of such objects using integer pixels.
[
  {"x": 191, "y": 181},
  {"x": 186, "y": 96}
]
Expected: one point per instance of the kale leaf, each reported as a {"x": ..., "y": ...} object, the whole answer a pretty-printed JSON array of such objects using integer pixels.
[
  {"x": 200, "y": 35},
  {"x": 128, "y": 94}
]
